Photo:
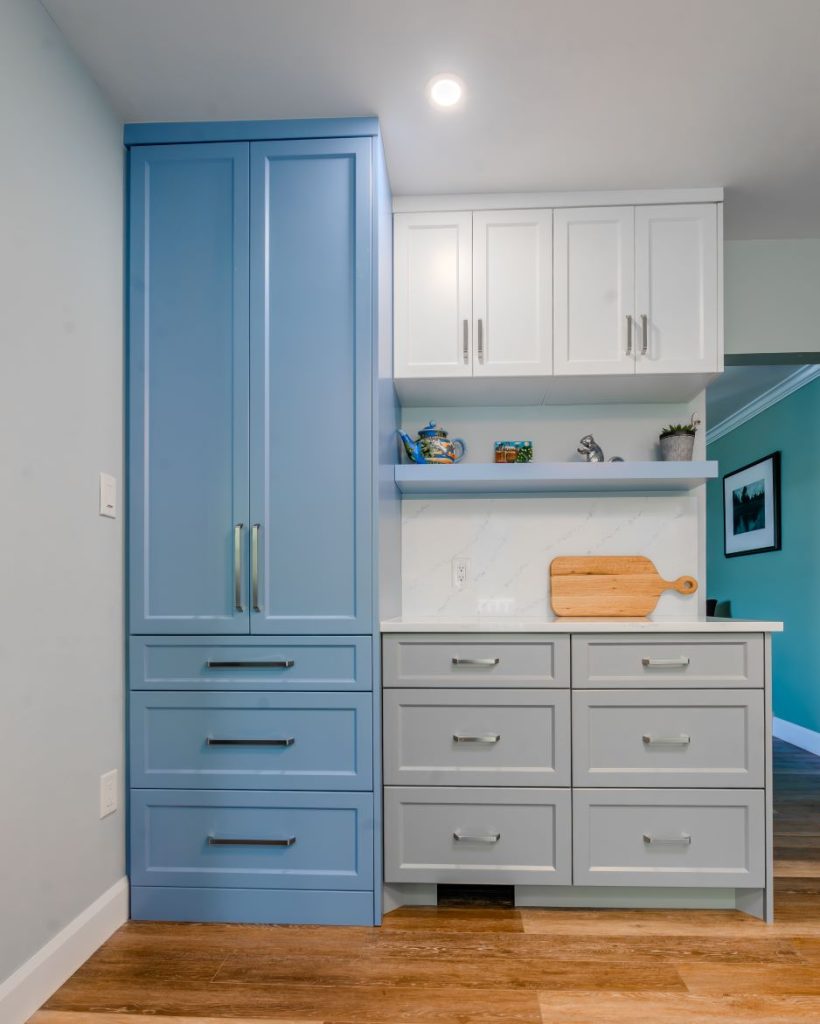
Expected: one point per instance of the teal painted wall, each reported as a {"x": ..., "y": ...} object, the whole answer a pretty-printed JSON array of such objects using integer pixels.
[{"x": 782, "y": 585}]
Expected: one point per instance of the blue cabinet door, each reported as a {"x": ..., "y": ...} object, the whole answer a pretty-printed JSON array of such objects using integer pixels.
[
  {"x": 188, "y": 389},
  {"x": 311, "y": 401}
]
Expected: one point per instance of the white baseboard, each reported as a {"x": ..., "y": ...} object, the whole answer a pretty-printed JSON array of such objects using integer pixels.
[
  {"x": 798, "y": 735},
  {"x": 39, "y": 977}
]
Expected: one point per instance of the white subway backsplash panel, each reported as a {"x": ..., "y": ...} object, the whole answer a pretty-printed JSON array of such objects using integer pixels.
[{"x": 511, "y": 541}]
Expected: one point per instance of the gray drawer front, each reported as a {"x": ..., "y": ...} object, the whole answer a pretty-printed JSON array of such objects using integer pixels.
[
  {"x": 668, "y": 738},
  {"x": 476, "y": 737},
  {"x": 476, "y": 659},
  {"x": 638, "y": 837},
  {"x": 532, "y": 827},
  {"x": 667, "y": 660}
]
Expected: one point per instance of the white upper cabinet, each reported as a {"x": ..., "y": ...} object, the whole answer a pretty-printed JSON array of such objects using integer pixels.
[
  {"x": 676, "y": 275},
  {"x": 512, "y": 293},
  {"x": 433, "y": 300},
  {"x": 595, "y": 290}
]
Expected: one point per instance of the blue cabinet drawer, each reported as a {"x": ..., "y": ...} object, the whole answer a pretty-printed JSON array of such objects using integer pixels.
[
  {"x": 241, "y": 840},
  {"x": 251, "y": 741},
  {"x": 222, "y": 663}
]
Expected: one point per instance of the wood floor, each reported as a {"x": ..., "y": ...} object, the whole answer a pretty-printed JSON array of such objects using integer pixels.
[{"x": 456, "y": 965}]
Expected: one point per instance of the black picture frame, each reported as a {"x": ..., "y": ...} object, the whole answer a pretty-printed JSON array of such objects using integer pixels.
[{"x": 769, "y": 464}]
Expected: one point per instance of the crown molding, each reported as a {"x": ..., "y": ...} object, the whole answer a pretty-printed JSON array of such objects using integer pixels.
[{"x": 795, "y": 381}]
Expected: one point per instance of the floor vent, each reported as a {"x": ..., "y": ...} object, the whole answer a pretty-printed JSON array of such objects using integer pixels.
[{"x": 476, "y": 895}]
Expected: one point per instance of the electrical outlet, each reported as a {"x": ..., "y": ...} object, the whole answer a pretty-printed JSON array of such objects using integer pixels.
[
  {"x": 108, "y": 793},
  {"x": 461, "y": 572}
]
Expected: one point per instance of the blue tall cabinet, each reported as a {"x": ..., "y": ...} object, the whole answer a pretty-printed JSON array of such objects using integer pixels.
[{"x": 258, "y": 537}]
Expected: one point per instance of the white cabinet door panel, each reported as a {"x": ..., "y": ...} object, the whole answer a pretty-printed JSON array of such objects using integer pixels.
[
  {"x": 433, "y": 294},
  {"x": 512, "y": 292},
  {"x": 594, "y": 291},
  {"x": 676, "y": 274}
]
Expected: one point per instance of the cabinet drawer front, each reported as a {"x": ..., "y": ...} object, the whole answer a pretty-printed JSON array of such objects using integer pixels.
[
  {"x": 668, "y": 837},
  {"x": 667, "y": 738},
  {"x": 477, "y": 737},
  {"x": 251, "y": 741},
  {"x": 294, "y": 663},
  {"x": 511, "y": 836},
  {"x": 476, "y": 660},
  {"x": 226, "y": 840},
  {"x": 667, "y": 660}
]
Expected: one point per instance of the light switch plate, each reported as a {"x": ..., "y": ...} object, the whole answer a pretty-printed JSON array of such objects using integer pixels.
[{"x": 108, "y": 495}]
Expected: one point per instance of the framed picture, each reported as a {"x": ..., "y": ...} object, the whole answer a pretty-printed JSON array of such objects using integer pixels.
[{"x": 751, "y": 508}]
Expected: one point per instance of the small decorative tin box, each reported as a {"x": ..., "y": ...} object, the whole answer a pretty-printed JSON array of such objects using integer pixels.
[{"x": 513, "y": 451}]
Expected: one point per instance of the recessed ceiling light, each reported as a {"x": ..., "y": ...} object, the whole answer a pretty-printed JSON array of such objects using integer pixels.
[{"x": 445, "y": 90}]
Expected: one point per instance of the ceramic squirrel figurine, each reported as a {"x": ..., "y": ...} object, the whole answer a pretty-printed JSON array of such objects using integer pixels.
[{"x": 592, "y": 451}]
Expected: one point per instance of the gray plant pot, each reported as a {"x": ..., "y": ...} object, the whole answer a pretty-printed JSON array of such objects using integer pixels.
[{"x": 677, "y": 447}]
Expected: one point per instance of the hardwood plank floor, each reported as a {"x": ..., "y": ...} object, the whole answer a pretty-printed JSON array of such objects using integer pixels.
[{"x": 473, "y": 965}]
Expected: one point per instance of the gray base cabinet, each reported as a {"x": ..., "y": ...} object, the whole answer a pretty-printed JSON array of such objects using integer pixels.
[{"x": 624, "y": 763}]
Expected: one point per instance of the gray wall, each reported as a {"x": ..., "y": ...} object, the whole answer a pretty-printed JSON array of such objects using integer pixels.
[
  {"x": 61, "y": 416},
  {"x": 772, "y": 297}
]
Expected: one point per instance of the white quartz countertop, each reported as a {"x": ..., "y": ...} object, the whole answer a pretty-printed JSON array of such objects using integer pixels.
[{"x": 552, "y": 624}]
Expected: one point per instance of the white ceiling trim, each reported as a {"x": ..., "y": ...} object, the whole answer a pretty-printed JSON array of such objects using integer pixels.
[{"x": 795, "y": 381}]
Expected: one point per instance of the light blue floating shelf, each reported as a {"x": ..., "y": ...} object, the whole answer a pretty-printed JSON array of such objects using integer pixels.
[{"x": 552, "y": 477}]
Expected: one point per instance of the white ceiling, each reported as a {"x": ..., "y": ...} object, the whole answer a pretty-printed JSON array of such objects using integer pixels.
[
  {"x": 563, "y": 94},
  {"x": 739, "y": 385}
]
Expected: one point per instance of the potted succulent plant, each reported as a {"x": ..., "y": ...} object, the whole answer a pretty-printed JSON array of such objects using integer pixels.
[{"x": 678, "y": 442}]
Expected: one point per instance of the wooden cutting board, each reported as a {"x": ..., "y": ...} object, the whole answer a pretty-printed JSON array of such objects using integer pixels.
[{"x": 616, "y": 586}]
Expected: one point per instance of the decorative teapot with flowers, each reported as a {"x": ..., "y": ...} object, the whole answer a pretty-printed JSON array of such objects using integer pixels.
[{"x": 433, "y": 446}]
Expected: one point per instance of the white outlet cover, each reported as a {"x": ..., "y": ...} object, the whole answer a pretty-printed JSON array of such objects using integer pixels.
[
  {"x": 108, "y": 495},
  {"x": 108, "y": 793}
]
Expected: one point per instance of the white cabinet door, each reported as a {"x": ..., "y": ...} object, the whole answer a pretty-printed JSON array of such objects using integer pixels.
[
  {"x": 433, "y": 294},
  {"x": 512, "y": 293},
  {"x": 676, "y": 275},
  {"x": 594, "y": 291}
]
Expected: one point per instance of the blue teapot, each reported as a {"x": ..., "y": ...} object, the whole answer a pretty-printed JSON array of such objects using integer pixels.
[{"x": 433, "y": 446}]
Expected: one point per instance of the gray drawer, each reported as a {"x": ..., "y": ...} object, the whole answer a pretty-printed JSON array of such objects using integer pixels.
[
  {"x": 476, "y": 737},
  {"x": 654, "y": 660},
  {"x": 652, "y": 837},
  {"x": 476, "y": 659},
  {"x": 508, "y": 836},
  {"x": 668, "y": 738}
]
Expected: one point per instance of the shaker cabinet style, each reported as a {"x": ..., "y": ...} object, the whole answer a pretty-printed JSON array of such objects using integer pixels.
[
  {"x": 636, "y": 289},
  {"x": 433, "y": 295},
  {"x": 255, "y": 286},
  {"x": 598, "y": 291},
  {"x": 189, "y": 371},
  {"x": 249, "y": 495},
  {"x": 473, "y": 294}
]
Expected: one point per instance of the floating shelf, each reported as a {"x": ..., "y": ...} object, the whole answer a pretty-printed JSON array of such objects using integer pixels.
[{"x": 552, "y": 477}]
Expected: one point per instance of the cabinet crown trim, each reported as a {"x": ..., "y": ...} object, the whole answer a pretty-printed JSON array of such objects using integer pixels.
[{"x": 552, "y": 200}]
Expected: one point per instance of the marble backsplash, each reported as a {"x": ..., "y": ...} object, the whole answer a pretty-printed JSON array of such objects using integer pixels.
[{"x": 510, "y": 542}]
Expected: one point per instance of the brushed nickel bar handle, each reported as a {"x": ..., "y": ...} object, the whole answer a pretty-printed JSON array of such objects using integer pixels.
[
  {"x": 681, "y": 840},
  {"x": 488, "y": 738},
  {"x": 466, "y": 347},
  {"x": 251, "y": 664},
  {"x": 480, "y": 340},
  {"x": 644, "y": 333},
  {"x": 629, "y": 334},
  {"x": 255, "y": 566},
  {"x": 287, "y": 742},
  {"x": 484, "y": 662},
  {"x": 216, "y": 841},
  {"x": 678, "y": 741},
  {"x": 681, "y": 662},
  {"x": 463, "y": 837},
  {"x": 237, "y": 567}
]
